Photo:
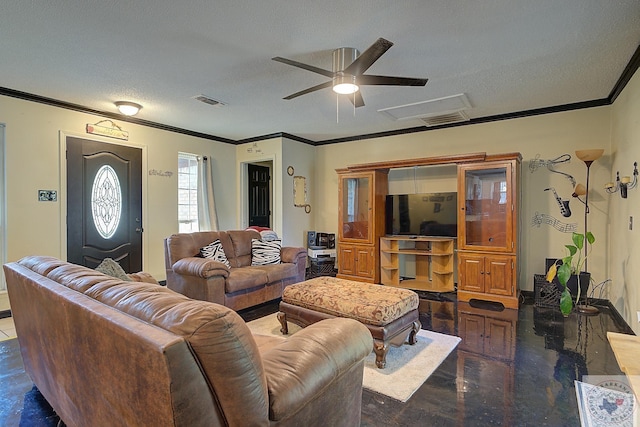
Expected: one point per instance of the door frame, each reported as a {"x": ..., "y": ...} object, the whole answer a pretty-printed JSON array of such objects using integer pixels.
[
  {"x": 243, "y": 199},
  {"x": 62, "y": 193}
]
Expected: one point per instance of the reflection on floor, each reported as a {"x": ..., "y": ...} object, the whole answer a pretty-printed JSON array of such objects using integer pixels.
[{"x": 512, "y": 368}]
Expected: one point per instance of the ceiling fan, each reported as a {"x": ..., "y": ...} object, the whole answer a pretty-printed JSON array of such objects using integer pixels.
[{"x": 348, "y": 72}]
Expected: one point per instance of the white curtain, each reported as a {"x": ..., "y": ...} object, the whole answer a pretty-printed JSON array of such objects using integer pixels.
[{"x": 207, "y": 217}]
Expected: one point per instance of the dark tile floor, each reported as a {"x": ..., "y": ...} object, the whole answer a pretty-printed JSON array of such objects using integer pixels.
[{"x": 512, "y": 368}]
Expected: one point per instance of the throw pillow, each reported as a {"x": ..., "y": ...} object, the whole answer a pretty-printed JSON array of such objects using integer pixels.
[
  {"x": 265, "y": 253},
  {"x": 215, "y": 252},
  {"x": 268, "y": 235},
  {"x": 111, "y": 268}
]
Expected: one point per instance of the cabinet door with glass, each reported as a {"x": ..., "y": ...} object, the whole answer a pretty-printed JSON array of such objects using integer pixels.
[
  {"x": 356, "y": 196},
  {"x": 486, "y": 206}
]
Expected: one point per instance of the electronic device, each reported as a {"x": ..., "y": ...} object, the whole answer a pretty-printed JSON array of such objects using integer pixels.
[
  {"x": 331, "y": 241},
  {"x": 311, "y": 239},
  {"x": 422, "y": 214},
  {"x": 317, "y": 240}
]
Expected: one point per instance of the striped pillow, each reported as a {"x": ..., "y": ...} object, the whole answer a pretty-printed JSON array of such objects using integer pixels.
[
  {"x": 215, "y": 252},
  {"x": 265, "y": 253}
]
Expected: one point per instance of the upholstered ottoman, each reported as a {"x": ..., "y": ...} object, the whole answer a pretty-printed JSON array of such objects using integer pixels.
[{"x": 391, "y": 314}]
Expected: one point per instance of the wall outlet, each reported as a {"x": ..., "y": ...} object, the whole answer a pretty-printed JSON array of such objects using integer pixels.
[{"x": 638, "y": 312}]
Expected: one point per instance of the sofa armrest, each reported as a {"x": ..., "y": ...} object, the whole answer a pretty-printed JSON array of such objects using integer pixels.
[
  {"x": 293, "y": 255},
  {"x": 200, "y": 267},
  {"x": 307, "y": 363}
]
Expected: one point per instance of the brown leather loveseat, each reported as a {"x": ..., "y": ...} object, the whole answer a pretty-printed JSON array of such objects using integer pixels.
[
  {"x": 107, "y": 352},
  {"x": 240, "y": 286}
]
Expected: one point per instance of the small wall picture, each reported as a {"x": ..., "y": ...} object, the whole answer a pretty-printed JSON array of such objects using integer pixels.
[{"x": 47, "y": 195}]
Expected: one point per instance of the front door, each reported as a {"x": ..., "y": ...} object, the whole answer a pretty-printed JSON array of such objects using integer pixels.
[
  {"x": 104, "y": 204},
  {"x": 259, "y": 196}
]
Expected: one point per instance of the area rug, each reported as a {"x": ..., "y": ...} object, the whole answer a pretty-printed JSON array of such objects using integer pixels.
[{"x": 408, "y": 367}]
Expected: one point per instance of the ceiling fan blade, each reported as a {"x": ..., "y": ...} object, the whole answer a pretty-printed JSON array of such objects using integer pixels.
[
  {"x": 309, "y": 90},
  {"x": 368, "y": 57},
  {"x": 390, "y": 81},
  {"x": 356, "y": 99},
  {"x": 304, "y": 66}
]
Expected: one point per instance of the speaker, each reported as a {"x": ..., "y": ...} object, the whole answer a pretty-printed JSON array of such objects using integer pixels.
[
  {"x": 322, "y": 239},
  {"x": 311, "y": 238},
  {"x": 331, "y": 241}
]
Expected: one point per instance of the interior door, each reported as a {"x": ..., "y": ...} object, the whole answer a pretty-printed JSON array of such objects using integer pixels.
[
  {"x": 104, "y": 203},
  {"x": 259, "y": 196}
]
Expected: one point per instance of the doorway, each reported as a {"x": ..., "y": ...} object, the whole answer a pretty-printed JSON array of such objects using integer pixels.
[
  {"x": 259, "y": 195},
  {"x": 104, "y": 203}
]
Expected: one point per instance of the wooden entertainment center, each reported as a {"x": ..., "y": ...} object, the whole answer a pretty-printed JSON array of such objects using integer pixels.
[{"x": 487, "y": 230}]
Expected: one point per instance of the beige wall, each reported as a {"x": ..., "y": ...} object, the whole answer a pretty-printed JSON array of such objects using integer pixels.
[
  {"x": 33, "y": 162},
  {"x": 296, "y": 222},
  {"x": 548, "y": 136},
  {"x": 624, "y": 243},
  {"x": 291, "y": 223}
]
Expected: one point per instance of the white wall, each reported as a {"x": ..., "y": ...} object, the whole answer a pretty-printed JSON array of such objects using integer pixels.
[
  {"x": 33, "y": 162},
  {"x": 548, "y": 136},
  {"x": 624, "y": 243}
]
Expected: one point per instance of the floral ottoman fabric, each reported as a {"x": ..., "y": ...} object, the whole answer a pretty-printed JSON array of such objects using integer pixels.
[{"x": 371, "y": 304}]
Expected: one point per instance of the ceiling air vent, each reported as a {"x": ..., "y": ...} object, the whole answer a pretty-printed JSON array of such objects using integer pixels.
[
  {"x": 208, "y": 100},
  {"x": 433, "y": 112},
  {"x": 445, "y": 119}
]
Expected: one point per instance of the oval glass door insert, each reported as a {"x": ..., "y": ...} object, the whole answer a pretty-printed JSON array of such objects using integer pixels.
[{"x": 106, "y": 201}]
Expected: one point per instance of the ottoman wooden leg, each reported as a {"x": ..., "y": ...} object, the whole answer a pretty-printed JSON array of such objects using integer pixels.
[
  {"x": 381, "y": 349},
  {"x": 282, "y": 318},
  {"x": 414, "y": 331}
]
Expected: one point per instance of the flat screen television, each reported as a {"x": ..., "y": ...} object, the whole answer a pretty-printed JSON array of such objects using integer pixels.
[{"x": 423, "y": 214}]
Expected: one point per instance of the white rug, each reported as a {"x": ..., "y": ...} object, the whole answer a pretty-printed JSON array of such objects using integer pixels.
[{"x": 408, "y": 367}]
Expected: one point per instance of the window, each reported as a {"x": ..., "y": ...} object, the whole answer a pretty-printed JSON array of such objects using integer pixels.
[
  {"x": 187, "y": 193},
  {"x": 106, "y": 201}
]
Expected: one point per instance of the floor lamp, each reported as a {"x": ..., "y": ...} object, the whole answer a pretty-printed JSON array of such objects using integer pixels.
[{"x": 588, "y": 157}]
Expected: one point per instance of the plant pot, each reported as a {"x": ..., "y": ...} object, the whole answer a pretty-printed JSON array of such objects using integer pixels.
[{"x": 584, "y": 279}]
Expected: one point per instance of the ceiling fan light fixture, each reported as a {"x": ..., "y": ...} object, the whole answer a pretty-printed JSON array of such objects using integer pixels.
[
  {"x": 128, "y": 108},
  {"x": 345, "y": 85}
]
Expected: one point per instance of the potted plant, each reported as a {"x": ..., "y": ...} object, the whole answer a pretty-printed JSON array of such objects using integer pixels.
[{"x": 568, "y": 269}]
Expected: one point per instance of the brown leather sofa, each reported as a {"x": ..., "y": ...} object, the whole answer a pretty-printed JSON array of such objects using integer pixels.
[
  {"x": 107, "y": 352},
  {"x": 238, "y": 287}
]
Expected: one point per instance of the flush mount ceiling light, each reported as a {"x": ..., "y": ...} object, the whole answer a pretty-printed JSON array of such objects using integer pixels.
[{"x": 128, "y": 108}]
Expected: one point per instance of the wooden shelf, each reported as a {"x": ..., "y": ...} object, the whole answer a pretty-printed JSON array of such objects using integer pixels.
[{"x": 433, "y": 258}]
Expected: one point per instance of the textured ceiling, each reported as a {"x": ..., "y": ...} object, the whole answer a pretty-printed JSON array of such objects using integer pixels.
[{"x": 506, "y": 56}]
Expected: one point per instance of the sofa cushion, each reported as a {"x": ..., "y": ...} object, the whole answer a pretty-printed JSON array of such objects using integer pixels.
[
  {"x": 265, "y": 253},
  {"x": 215, "y": 252},
  {"x": 279, "y": 271},
  {"x": 245, "y": 278},
  {"x": 241, "y": 242}
]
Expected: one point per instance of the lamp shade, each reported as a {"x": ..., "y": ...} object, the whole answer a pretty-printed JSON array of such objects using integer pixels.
[
  {"x": 590, "y": 155},
  {"x": 579, "y": 190}
]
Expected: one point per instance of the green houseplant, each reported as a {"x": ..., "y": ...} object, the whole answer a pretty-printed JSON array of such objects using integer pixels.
[{"x": 571, "y": 266}]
